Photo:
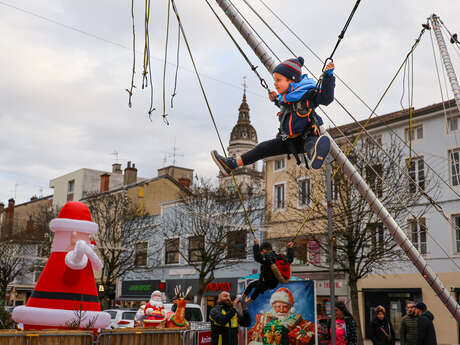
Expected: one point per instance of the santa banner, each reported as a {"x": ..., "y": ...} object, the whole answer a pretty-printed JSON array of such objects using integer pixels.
[{"x": 284, "y": 316}]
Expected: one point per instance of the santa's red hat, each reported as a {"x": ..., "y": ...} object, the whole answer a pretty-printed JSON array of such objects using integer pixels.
[
  {"x": 62, "y": 292},
  {"x": 282, "y": 295},
  {"x": 74, "y": 216}
]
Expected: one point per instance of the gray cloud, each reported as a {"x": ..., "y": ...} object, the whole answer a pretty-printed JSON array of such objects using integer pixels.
[{"x": 64, "y": 104}]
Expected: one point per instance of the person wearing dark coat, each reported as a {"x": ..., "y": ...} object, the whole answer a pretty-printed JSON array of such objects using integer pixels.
[
  {"x": 426, "y": 335},
  {"x": 408, "y": 330},
  {"x": 225, "y": 320},
  {"x": 267, "y": 279},
  {"x": 381, "y": 330}
]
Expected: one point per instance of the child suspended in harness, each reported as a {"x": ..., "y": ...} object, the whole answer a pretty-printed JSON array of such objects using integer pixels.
[
  {"x": 275, "y": 268},
  {"x": 299, "y": 131}
]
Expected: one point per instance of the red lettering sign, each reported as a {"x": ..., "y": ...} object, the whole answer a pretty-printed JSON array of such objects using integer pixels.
[
  {"x": 204, "y": 337},
  {"x": 219, "y": 287}
]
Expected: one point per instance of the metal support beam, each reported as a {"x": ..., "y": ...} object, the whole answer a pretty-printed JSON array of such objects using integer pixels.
[
  {"x": 351, "y": 173},
  {"x": 446, "y": 58},
  {"x": 331, "y": 238}
]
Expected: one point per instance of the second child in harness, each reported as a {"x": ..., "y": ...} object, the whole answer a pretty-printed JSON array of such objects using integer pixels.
[{"x": 299, "y": 132}]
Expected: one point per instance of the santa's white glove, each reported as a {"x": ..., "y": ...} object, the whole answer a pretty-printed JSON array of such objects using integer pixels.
[
  {"x": 92, "y": 256},
  {"x": 76, "y": 258}
]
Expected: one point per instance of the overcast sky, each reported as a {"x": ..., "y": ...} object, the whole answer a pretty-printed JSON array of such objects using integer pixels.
[{"x": 63, "y": 99}]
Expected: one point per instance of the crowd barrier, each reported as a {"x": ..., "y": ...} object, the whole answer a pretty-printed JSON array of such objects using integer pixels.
[
  {"x": 122, "y": 336},
  {"x": 133, "y": 336},
  {"x": 49, "y": 337}
]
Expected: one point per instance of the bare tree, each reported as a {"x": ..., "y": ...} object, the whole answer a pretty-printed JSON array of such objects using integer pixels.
[
  {"x": 13, "y": 265},
  {"x": 213, "y": 224},
  {"x": 121, "y": 224},
  {"x": 362, "y": 244}
]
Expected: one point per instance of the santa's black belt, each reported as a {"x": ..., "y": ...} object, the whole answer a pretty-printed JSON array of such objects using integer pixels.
[{"x": 65, "y": 296}]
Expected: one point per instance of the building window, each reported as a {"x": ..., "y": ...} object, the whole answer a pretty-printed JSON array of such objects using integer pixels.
[
  {"x": 456, "y": 223},
  {"x": 172, "y": 251},
  {"x": 335, "y": 190},
  {"x": 417, "y": 232},
  {"x": 37, "y": 272},
  {"x": 374, "y": 140},
  {"x": 195, "y": 248},
  {"x": 236, "y": 244},
  {"x": 279, "y": 196},
  {"x": 417, "y": 133},
  {"x": 454, "y": 163},
  {"x": 376, "y": 233},
  {"x": 70, "y": 190},
  {"x": 304, "y": 197},
  {"x": 140, "y": 254},
  {"x": 453, "y": 124},
  {"x": 416, "y": 172},
  {"x": 300, "y": 252},
  {"x": 373, "y": 174},
  {"x": 279, "y": 164}
]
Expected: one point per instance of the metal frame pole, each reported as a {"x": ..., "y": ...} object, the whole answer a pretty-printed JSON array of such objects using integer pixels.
[
  {"x": 446, "y": 58},
  {"x": 350, "y": 171},
  {"x": 331, "y": 248}
]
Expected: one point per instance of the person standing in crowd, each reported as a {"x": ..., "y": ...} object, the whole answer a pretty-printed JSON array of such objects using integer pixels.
[
  {"x": 345, "y": 326},
  {"x": 381, "y": 330},
  {"x": 225, "y": 320},
  {"x": 408, "y": 330},
  {"x": 426, "y": 335}
]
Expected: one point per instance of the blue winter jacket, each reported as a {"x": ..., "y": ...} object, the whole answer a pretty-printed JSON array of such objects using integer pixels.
[{"x": 297, "y": 105}]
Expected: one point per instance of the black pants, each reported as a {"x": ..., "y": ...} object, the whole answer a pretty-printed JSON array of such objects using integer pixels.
[
  {"x": 258, "y": 287},
  {"x": 278, "y": 146}
]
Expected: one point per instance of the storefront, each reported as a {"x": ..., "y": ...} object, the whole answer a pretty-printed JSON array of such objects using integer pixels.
[
  {"x": 212, "y": 290},
  {"x": 134, "y": 291},
  {"x": 393, "y": 300}
]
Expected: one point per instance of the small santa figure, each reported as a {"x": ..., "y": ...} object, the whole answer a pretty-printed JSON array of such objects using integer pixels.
[
  {"x": 66, "y": 295},
  {"x": 154, "y": 310}
]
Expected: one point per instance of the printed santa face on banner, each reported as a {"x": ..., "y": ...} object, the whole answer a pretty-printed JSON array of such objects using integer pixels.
[
  {"x": 282, "y": 302},
  {"x": 66, "y": 292},
  {"x": 154, "y": 310}
]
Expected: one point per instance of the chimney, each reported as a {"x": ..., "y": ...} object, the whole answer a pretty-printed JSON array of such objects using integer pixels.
[
  {"x": 116, "y": 168},
  {"x": 34, "y": 197},
  {"x": 9, "y": 218},
  {"x": 130, "y": 175},
  {"x": 185, "y": 182},
  {"x": 105, "y": 179}
]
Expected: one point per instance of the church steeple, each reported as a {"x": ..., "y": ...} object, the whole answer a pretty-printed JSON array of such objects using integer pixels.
[
  {"x": 242, "y": 139},
  {"x": 243, "y": 133},
  {"x": 243, "y": 116}
]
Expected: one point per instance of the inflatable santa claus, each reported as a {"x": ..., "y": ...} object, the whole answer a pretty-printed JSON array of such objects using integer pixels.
[
  {"x": 66, "y": 295},
  {"x": 154, "y": 311}
]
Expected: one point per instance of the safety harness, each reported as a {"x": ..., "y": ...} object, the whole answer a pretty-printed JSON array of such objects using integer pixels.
[{"x": 301, "y": 108}]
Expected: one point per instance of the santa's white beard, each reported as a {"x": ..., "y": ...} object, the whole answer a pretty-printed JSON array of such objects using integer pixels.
[
  {"x": 157, "y": 304},
  {"x": 280, "y": 316}
]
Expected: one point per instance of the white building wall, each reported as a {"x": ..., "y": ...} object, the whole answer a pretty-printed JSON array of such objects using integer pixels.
[
  {"x": 434, "y": 147},
  {"x": 86, "y": 181}
]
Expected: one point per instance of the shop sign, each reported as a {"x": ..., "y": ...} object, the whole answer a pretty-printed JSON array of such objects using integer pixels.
[
  {"x": 212, "y": 289},
  {"x": 138, "y": 288},
  {"x": 323, "y": 287},
  {"x": 204, "y": 337},
  {"x": 219, "y": 287}
]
